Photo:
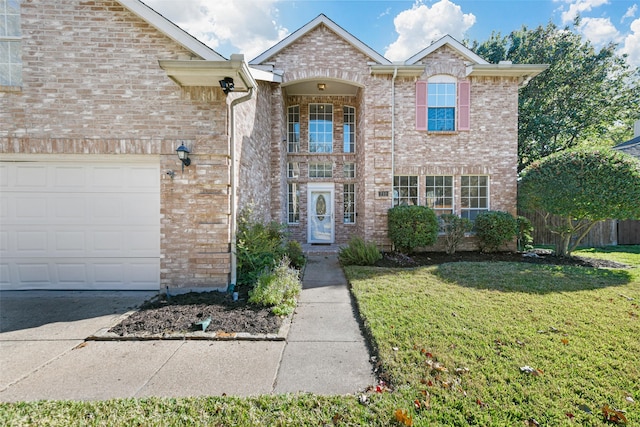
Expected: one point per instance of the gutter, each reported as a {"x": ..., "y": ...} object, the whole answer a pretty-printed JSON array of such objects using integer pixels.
[
  {"x": 393, "y": 128},
  {"x": 232, "y": 155}
]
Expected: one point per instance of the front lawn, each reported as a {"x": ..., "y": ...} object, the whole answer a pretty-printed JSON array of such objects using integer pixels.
[{"x": 489, "y": 344}]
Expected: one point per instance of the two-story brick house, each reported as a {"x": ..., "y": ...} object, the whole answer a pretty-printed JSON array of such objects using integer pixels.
[{"x": 319, "y": 132}]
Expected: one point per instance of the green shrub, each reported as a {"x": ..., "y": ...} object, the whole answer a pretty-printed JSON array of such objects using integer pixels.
[
  {"x": 359, "y": 252},
  {"x": 524, "y": 233},
  {"x": 277, "y": 288},
  {"x": 454, "y": 229},
  {"x": 411, "y": 227},
  {"x": 494, "y": 229},
  {"x": 293, "y": 251},
  {"x": 259, "y": 246}
]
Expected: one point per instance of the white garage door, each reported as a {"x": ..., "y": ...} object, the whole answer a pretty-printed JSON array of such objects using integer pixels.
[{"x": 79, "y": 225}]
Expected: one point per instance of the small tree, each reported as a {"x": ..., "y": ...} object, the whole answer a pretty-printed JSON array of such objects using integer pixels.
[
  {"x": 454, "y": 229},
  {"x": 582, "y": 187},
  {"x": 411, "y": 227}
]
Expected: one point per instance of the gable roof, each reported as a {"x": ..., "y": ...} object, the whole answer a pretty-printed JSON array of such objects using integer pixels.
[
  {"x": 171, "y": 30},
  {"x": 302, "y": 31},
  {"x": 630, "y": 147},
  {"x": 451, "y": 42}
]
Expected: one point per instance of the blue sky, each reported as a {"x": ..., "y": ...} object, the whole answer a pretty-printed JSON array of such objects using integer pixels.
[{"x": 398, "y": 29}]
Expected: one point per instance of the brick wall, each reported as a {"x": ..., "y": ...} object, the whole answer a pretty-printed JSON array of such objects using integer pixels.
[
  {"x": 92, "y": 85},
  {"x": 489, "y": 148}
]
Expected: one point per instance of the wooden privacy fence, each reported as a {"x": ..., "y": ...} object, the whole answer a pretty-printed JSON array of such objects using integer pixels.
[{"x": 604, "y": 233}]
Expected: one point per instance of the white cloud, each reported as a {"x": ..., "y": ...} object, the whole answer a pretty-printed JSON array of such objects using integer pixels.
[
  {"x": 631, "y": 44},
  {"x": 577, "y": 7},
  {"x": 631, "y": 12},
  {"x": 599, "y": 31},
  {"x": 419, "y": 26},
  {"x": 250, "y": 26}
]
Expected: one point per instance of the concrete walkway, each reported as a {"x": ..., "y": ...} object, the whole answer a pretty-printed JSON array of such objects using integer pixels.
[{"x": 44, "y": 355}]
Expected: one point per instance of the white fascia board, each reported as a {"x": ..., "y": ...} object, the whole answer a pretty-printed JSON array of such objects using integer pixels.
[
  {"x": 265, "y": 76},
  {"x": 208, "y": 73},
  {"x": 320, "y": 19},
  {"x": 454, "y": 44},
  {"x": 171, "y": 30}
]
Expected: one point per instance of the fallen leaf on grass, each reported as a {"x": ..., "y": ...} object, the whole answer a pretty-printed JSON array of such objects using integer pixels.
[
  {"x": 481, "y": 403},
  {"x": 336, "y": 419},
  {"x": 531, "y": 422},
  {"x": 629, "y": 399},
  {"x": 613, "y": 415},
  {"x": 569, "y": 415},
  {"x": 565, "y": 341},
  {"x": 585, "y": 408},
  {"x": 403, "y": 417},
  {"x": 461, "y": 371},
  {"x": 529, "y": 370}
]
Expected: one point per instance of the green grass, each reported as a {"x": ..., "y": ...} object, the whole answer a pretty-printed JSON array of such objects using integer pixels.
[{"x": 574, "y": 324}]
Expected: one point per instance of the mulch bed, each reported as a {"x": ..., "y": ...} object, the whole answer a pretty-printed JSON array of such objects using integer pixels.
[{"x": 180, "y": 313}]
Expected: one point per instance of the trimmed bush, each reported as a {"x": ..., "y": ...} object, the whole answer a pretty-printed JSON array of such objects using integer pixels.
[
  {"x": 293, "y": 251},
  {"x": 454, "y": 229},
  {"x": 277, "y": 288},
  {"x": 495, "y": 229},
  {"x": 359, "y": 252},
  {"x": 524, "y": 233},
  {"x": 411, "y": 227}
]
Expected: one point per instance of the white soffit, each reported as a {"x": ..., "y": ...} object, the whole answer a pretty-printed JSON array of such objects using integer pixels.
[{"x": 209, "y": 73}]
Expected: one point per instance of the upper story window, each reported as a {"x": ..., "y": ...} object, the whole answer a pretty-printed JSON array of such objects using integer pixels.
[
  {"x": 349, "y": 170},
  {"x": 293, "y": 170},
  {"x": 349, "y": 128},
  {"x": 443, "y": 104},
  {"x": 10, "y": 43},
  {"x": 293, "y": 129},
  {"x": 320, "y": 128},
  {"x": 320, "y": 170}
]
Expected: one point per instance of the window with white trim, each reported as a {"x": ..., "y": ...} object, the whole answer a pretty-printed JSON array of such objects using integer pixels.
[
  {"x": 293, "y": 170},
  {"x": 293, "y": 202},
  {"x": 474, "y": 195},
  {"x": 349, "y": 170},
  {"x": 293, "y": 129},
  {"x": 320, "y": 170},
  {"x": 443, "y": 104},
  {"x": 405, "y": 190},
  {"x": 320, "y": 128},
  {"x": 439, "y": 194},
  {"x": 349, "y": 129},
  {"x": 349, "y": 201},
  {"x": 10, "y": 43}
]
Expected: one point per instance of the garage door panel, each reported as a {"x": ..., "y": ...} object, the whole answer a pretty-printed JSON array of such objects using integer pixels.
[{"x": 70, "y": 226}]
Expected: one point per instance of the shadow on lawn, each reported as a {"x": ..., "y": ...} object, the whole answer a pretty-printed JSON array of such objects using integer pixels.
[{"x": 537, "y": 279}]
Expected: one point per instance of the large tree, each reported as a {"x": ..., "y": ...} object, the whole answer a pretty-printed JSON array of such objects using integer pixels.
[
  {"x": 585, "y": 95},
  {"x": 582, "y": 187}
]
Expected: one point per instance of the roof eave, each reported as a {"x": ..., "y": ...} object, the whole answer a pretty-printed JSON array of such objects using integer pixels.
[
  {"x": 171, "y": 30},
  {"x": 320, "y": 19},
  {"x": 209, "y": 73},
  {"x": 525, "y": 72}
]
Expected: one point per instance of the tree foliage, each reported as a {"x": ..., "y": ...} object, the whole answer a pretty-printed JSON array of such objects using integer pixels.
[
  {"x": 585, "y": 95},
  {"x": 582, "y": 186}
]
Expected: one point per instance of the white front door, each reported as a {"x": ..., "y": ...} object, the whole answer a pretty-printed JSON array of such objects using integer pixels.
[{"x": 320, "y": 211}]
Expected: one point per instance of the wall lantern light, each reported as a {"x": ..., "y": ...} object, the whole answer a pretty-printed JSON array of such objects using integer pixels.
[
  {"x": 322, "y": 86},
  {"x": 183, "y": 155},
  {"x": 227, "y": 85}
]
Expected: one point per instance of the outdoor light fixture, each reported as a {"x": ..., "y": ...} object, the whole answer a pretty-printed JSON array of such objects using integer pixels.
[
  {"x": 183, "y": 155},
  {"x": 322, "y": 86},
  {"x": 227, "y": 85}
]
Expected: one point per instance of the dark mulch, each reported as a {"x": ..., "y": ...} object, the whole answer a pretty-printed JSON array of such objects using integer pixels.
[
  {"x": 181, "y": 313},
  {"x": 539, "y": 256}
]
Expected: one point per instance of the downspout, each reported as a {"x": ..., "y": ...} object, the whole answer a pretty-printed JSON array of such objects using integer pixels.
[
  {"x": 393, "y": 128},
  {"x": 232, "y": 155}
]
